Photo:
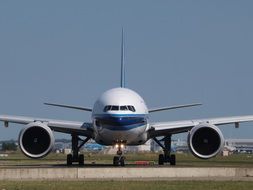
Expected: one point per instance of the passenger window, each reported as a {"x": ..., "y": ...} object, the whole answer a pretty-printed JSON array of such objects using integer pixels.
[
  {"x": 123, "y": 108},
  {"x": 114, "y": 108}
]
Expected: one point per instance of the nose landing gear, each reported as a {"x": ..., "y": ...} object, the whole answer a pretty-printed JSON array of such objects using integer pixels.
[{"x": 119, "y": 160}]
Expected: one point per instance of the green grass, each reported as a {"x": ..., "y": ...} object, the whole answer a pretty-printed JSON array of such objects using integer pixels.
[
  {"x": 125, "y": 185},
  {"x": 183, "y": 160}
]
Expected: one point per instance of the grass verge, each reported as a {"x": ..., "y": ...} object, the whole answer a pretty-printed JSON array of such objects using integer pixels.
[{"x": 125, "y": 185}]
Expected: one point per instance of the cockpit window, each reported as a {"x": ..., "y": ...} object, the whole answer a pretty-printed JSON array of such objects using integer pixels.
[
  {"x": 123, "y": 108},
  {"x": 117, "y": 108},
  {"x": 131, "y": 108},
  {"x": 107, "y": 108}
]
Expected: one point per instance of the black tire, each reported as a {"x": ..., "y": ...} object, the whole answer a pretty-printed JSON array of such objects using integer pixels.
[
  {"x": 173, "y": 160},
  {"x": 122, "y": 161},
  {"x": 115, "y": 160},
  {"x": 69, "y": 159},
  {"x": 81, "y": 160},
  {"x": 161, "y": 159}
]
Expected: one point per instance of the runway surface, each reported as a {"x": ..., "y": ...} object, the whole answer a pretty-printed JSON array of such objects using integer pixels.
[
  {"x": 96, "y": 165},
  {"x": 64, "y": 166},
  {"x": 130, "y": 172}
]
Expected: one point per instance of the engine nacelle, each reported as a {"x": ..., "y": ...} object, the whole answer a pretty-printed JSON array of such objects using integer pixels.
[
  {"x": 36, "y": 140},
  {"x": 205, "y": 141}
]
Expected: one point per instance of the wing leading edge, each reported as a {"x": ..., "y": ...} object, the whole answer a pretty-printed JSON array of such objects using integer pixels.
[
  {"x": 174, "y": 127},
  {"x": 63, "y": 126}
]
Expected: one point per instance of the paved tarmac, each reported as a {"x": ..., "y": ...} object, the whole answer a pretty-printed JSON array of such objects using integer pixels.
[{"x": 107, "y": 172}]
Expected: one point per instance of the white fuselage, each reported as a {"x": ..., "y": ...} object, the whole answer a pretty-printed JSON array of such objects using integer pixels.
[{"x": 120, "y": 115}]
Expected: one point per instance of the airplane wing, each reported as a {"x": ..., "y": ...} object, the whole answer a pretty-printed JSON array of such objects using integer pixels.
[
  {"x": 70, "y": 107},
  {"x": 173, "y": 107},
  {"x": 79, "y": 128},
  {"x": 174, "y": 127}
]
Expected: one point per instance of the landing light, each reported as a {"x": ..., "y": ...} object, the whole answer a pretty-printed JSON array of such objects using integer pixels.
[{"x": 119, "y": 146}]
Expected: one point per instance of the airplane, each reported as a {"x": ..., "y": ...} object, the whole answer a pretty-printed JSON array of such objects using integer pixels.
[{"x": 119, "y": 118}]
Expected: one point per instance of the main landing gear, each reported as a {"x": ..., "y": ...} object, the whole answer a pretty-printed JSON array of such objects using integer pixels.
[
  {"x": 166, "y": 157},
  {"x": 75, "y": 156},
  {"x": 119, "y": 160}
]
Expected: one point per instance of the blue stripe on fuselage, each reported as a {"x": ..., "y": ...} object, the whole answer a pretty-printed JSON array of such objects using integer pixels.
[
  {"x": 120, "y": 115},
  {"x": 120, "y": 122}
]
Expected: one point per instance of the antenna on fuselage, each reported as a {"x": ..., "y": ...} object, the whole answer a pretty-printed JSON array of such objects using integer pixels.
[{"x": 122, "y": 81}]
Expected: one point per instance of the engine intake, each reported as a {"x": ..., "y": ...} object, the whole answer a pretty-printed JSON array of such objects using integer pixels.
[
  {"x": 205, "y": 141},
  {"x": 36, "y": 140}
]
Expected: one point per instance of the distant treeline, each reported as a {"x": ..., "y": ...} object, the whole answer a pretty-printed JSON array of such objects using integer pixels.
[{"x": 9, "y": 146}]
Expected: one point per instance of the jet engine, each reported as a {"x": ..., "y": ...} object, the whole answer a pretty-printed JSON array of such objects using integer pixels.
[
  {"x": 36, "y": 140},
  {"x": 205, "y": 141}
]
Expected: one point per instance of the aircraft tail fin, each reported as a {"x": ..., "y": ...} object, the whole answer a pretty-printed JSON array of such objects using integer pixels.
[{"x": 122, "y": 81}]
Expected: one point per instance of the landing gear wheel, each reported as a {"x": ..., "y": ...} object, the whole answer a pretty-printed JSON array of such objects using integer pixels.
[
  {"x": 115, "y": 160},
  {"x": 69, "y": 159},
  {"x": 81, "y": 160},
  {"x": 166, "y": 157},
  {"x": 173, "y": 160},
  {"x": 161, "y": 159},
  {"x": 122, "y": 161}
]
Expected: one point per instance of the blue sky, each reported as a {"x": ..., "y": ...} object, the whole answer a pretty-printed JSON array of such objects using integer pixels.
[{"x": 176, "y": 52}]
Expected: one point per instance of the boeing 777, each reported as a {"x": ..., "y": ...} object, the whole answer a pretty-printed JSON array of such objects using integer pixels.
[{"x": 120, "y": 117}]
